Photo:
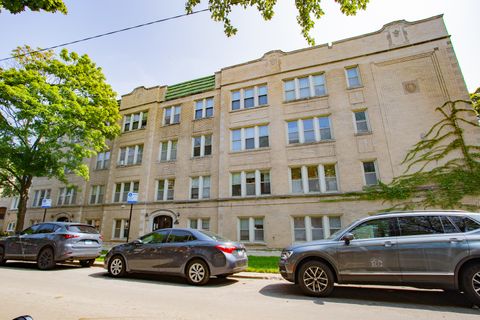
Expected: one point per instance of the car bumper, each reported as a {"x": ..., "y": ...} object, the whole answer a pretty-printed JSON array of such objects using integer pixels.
[
  {"x": 71, "y": 253},
  {"x": 286, "y": 270}
]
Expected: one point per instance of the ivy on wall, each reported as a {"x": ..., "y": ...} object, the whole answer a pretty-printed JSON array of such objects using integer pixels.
[{"x": 441, "y": 169}]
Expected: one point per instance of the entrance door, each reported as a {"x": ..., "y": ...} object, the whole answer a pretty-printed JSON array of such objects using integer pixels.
[
  {"x": 63, "y": 219},
  {"x": 162, "y": 222}
]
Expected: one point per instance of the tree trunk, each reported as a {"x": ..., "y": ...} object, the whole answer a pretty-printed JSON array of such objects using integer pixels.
[{"x": 22, "y": 204}]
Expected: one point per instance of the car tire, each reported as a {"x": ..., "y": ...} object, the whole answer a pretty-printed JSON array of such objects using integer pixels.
[
  {"x": 316, "y": 279},
  {"x": 87, "y": 263},
  {"x": 470, "y": 279},
  {"x": 2, "y": 256},
  {"x": 117, "y": 267},
  {"x": 223, "y": 276},
  {"x": 46, "y": 259},
  {"x": 197, "y": 272}
]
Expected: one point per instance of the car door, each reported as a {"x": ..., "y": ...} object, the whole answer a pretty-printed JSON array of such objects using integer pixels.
[
  {"x": 13, "y": 247},
  {"x": 372, "y": 255},
  {"x": 33, "y": 242},
  {"x": 429, "y": 249},
  {"x": 144, "y": 255},
  {"x": 176, "y": 251}
]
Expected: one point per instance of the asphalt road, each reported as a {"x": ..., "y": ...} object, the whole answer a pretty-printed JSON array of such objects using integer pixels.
[{"x": 71, "y": 292}]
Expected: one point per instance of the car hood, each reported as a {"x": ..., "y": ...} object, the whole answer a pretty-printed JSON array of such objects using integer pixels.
[{"x": 311, "y": 243}]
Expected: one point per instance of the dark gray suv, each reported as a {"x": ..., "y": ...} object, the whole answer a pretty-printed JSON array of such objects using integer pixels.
[
  {"x": 51, "y": 242},
  {"x": 421, "y": 249}
]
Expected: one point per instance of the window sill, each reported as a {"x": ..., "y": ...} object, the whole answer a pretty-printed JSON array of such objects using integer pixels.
[
  {"x": 253, "y": 108},
  {"x": 101, "y": 169},
  {"x": 353, "y": 88},
  {"x": 254, "y": 243},
  {"x": 135, "y": 130},
  {"x": 359, "y": 134},
  {"x": 199, "y": 157},
  {"x": 249, "y": 150},
  {"x": 204, "y": 118},
  {"x": 324, "y": 97},
  {"x": 128, "y": 165},
  {"x": 315, "y": 193},
  {"x": 171, "y": 124},
  {"x": 162, "y": 201},
  {"x": 166, "y": 161},
  {"x": 298, "y": 144},
  {"x": 252, "y": 196}
]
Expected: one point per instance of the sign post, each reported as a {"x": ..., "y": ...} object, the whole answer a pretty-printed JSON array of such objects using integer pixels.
[
  {"x": 132, "y": 198},
  {"x": 46, "y": 203}
]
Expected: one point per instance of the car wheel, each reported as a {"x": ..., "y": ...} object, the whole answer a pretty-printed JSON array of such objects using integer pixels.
[
  {"x": 87, "y": 263},
  {"x": 2, "y": 256},
  {"x": 197, "y": 272},
  {"x": 316, "y": 279},
  {"x": 117, "y": 267},
  {"x": 46, "y": 259},
  {"x": 471, "y": 283}
]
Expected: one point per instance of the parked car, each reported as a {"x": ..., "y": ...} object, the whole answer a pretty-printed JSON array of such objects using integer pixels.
[
  {"x": 193, "y": 254},
  {"x": 420, "y": 249},
  {"x": 52, "y": 242}
]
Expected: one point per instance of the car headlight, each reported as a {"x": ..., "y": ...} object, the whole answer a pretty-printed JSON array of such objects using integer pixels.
[{"x": 286, "y": 254}]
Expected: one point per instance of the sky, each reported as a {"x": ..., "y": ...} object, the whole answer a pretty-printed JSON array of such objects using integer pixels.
[{"x": 195, "y": 46}]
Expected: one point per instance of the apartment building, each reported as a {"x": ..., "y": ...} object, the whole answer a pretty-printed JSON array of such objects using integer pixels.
[{"x": 253, "y": 151}]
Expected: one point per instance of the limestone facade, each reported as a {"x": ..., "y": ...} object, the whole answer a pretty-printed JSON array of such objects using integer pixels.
[{"x": 287, "y": 132}]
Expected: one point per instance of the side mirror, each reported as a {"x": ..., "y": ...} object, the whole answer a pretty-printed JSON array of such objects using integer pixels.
[
  {"x": 347, "y": 237},
  {"x": 137, "y": 242}
]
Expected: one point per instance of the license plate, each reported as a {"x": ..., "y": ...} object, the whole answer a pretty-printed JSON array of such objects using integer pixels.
[{"x": 88, "y": 242}]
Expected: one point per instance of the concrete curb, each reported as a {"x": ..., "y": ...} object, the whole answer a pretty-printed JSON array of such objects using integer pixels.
[{"x": 240, "y": 275}]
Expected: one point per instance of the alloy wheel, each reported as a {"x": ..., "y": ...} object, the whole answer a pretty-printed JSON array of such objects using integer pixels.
[
  {"x": 116, "y": 266},
  {"x": 476, "y": 283},
  {"x": 196, "y": 272},
  {"x": 45, "y": 259},
  {"x": 315, "y": 279}
]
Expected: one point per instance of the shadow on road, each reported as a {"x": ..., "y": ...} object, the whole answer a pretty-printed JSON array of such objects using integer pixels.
[
  {"x": 163, "y": 279},
  {"x": 32, "y": 266},
  {"x": 432, "y": 300}
]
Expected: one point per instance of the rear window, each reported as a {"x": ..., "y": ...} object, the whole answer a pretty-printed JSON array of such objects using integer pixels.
[
  {"x": 465, "y": 224},
  {"x": 213, "y": 236},
  {"x": 80, "y": 228}
]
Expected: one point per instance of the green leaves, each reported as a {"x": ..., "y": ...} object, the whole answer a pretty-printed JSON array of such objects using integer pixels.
[
  {"x": 308, "y": 11},
  {"x": 17, "y": 6}
]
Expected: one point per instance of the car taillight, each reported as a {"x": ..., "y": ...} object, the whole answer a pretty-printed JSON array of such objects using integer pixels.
[
  {"x": 70, "y": 236},
  {"x": 101, "y": 237},
  {"x": 226, "y": 249}
]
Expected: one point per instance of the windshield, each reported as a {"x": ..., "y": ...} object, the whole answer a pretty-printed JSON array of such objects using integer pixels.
[{"x": 214, "y": 236}]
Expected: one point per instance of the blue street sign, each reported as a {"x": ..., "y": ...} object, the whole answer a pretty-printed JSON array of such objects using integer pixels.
[
  {"x": 46, "y": 203},
  {"x": 132, "y": 197}
]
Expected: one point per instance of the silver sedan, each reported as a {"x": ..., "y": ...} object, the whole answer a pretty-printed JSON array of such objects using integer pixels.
[{"x": 193, "y": 254}]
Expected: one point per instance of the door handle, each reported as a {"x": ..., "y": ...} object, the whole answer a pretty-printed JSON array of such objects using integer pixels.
[{"x": 388, "y": 243}]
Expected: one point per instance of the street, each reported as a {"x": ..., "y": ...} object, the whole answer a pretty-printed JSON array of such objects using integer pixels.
[{"x": 71, "y": 292}]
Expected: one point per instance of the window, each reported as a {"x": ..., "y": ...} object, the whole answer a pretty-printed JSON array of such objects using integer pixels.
[
  {"x": 103, "y": 160},
  {"x": 200, "y": 187},
  {"x": 168, "y": 150},
  {"x": 309, "y": 228},
  {"x": 135, "y": 121},
  {"x": 96, "y": 194},
  {"x": 465, "y": 224},
  {"x": 370, "y": 173},
  {"x": 353, "y": 77},
  {"x": 250, "y": 183},
  {"x": 39, "y": 195},
  {"x": 420, "y": 225},
  {"x": 66, "y": 196},
  {"x": 249, "y": 138},
  {"x": 204, "y": 108},
  {"x": 200, "y": 224},
  {"x": 177, "y": 236},
  {"x": 361, "y": 122},
  {"x": 122, "y": 189},
  {"x": 165, "y": 189},
  {"x": 250, "y": 97},
  {"x": 130, "y": 155},
  {"x": 378, "y": 228},
  {"x": 156, "y": 237},
  {"x": 11, "y": 226},
  {"x": 171, "y": 115},
  {"x": 15, "y": 202},
  {"x": 120, "y": 228},
  {"x": 202, "y": 146},
  {"x": 312, "y": 179},
  {"x": 309, "y": 130},
  {"x": 94, "y": 223},
  {"x": 305, "y": 87},
  {"x": 251, "y": 229}
]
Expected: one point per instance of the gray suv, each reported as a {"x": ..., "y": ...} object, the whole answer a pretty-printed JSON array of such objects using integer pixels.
[
  {"x": 434, "y": 249},
  {"x": 51, "y": 242}
]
